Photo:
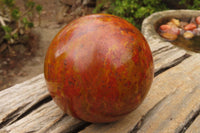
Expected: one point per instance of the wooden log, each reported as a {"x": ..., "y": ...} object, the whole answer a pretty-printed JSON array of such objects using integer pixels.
[
  {"x": 29, "y": 97},
  {"x": 175, "y": 92}
]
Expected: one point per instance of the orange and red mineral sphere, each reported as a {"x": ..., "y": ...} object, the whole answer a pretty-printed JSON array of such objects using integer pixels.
[{"x": 98, "y": 68}]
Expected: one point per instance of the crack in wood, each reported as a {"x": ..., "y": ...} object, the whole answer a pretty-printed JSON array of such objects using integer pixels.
[
  {"x": 162, "y": 49},
  {"x": 11, "y": 116},
  {"x": 191, "y": 119},
  {"x": 44, "y": 100},
  {"x": 31, "y": 131},
  {"x": 16, "y": 115},
  {"x": 72, "y": 125},
  {"x": 78, "y": 128},
  {"x": 172, "y": 64}
]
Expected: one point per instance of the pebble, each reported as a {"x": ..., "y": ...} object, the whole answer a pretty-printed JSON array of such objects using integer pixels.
[
  {"x": 175, "y": 30},
  {"x": 196, "y": 31},
  {"x": 171, "y": 23},
  {"x": 176, "y": 22},
  {"x": 165, "y": 28},
  {"x": 198, "y": 20},
  {"x": 170, "y": 29},
  {"x": 188, "y": 35},
  {"x": 169, "y": 36},
  {"x": 190, "y": 26}
]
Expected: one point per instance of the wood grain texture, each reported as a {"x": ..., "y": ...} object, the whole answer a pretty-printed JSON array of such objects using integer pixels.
[
  {"x": 27, "y": 107},
  {"x": 173, "y": 98},
  {"x": 168, "y": 57},
  {"x": 30, "y": 93},
  {"x": 174, "y": 112},
  {"x": 47, "y": 118},
  {"x": 18, "y": 99}
]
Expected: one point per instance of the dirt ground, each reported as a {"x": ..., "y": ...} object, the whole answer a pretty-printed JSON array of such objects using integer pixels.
[{"x": 20, "y": 68}]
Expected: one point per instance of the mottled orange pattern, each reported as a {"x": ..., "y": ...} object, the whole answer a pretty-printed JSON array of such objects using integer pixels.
[{"x": 98, "y": 68}]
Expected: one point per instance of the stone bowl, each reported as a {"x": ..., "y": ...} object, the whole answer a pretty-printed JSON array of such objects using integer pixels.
[{"x": 151, "y": 24}]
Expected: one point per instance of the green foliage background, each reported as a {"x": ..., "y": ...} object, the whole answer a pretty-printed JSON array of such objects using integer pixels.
[
  {"x": 135, "y": 11},
  {"x": 18, "y": 20}
]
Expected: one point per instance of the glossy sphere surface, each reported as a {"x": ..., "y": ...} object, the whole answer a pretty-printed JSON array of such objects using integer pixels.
[{"x": 98, "y": 68}]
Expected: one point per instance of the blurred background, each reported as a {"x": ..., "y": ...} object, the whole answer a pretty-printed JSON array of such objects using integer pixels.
[{"x": 28, "y": 26}]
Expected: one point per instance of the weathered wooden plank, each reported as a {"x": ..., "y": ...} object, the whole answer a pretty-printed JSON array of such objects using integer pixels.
[
  {"x": 165, "y": 55},
  {"x": 47, "y": 118},
  {"x": 16, "y": 100},
  {"x": 27, "y": 107},
  {"x": 178, "y": 82},
  {"x": 174, "y": 112},
  {"x": 37, "y": 119},
  {"x": 195, "y": 127},
  {"x": 29, "y": 94},
  {"x": 169, "y": 57}
]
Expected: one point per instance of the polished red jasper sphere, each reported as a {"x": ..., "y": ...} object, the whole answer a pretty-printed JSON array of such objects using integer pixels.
[{"x": 98, "y": 68}]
